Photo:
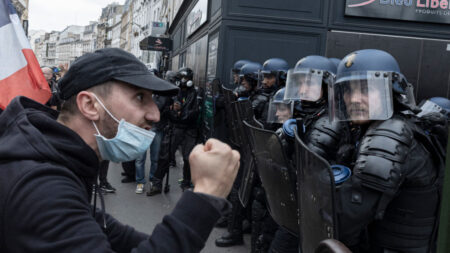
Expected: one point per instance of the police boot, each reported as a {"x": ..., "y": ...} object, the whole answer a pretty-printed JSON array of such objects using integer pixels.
[{"x": 230, "y": 239}]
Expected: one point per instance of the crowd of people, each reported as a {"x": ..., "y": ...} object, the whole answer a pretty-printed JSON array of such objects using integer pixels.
[
  {"x": 383, "y": 189},
  {"x": 330, "y": 148}
]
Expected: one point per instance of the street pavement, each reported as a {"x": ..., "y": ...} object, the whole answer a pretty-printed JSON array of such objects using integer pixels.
[{"x": 143, "y": 213}]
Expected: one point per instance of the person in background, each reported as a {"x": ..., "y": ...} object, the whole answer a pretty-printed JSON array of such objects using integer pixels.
[
  {"x": 165, "y": 130},
  {"x": 105, "y": 186},
  {"x": 184, "y": 116},
  {"x": 50, "y": 76}
]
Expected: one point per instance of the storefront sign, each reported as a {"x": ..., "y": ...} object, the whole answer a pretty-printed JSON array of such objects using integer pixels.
[
  {"x": 197, "y": 17},
  {"x": 436, "y": 11},
  {"x": 156, "y": 44},
  {"x": 158, "y": 29}
]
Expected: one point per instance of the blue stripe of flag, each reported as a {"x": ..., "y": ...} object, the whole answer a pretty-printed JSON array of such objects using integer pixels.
[{"x": 6, "y": 8}]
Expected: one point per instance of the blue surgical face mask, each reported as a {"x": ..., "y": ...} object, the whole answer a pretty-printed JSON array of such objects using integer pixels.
[{"x": 130, "y": 142}]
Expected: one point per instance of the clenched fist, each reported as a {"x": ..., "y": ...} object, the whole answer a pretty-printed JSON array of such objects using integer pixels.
[{"x": 214, "y": 167}]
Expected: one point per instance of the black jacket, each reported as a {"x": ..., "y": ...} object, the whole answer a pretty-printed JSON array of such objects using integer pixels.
[
  {"x": 391, "y": 200},
  {"x": 189, "y": 109},
  {"x": 163, "y": 103},
  {"x": 46, "y": 177},
  {"x": 260, "y": 99}
]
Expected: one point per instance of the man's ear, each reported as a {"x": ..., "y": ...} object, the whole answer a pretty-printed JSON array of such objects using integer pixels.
[{"x": 88, "y": 105}]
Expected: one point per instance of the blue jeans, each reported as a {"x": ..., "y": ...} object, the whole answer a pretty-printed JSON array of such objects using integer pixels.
[{"x": 154, "y": 153}]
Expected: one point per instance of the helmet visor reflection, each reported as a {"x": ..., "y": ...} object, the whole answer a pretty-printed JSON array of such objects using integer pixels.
[
  {"x": 304, "y": 85},
  {"x": 361, "y": 96}
]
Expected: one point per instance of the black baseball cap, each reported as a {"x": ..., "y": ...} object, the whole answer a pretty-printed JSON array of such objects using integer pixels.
[{"x": 110, "y": 64}]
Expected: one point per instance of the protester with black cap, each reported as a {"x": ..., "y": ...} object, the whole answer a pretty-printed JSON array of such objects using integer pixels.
[{"x": 49, "y": 164}]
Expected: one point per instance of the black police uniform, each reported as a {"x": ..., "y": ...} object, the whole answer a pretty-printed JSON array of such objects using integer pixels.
[
  {"x": 185, "y": 128},
  {"x": 322, "y": 137},
  {"x": 392, "y": 200},
  {"x": 259, "y": 101},
  {"x": 164, "y": 125}
]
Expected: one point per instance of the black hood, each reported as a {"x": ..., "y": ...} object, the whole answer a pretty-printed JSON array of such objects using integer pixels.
[{"x": 29, "y": 131}]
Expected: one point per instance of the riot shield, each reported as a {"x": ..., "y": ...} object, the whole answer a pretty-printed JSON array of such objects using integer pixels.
[
  {"x": 316, "y": 202},
  {"x": 245, "y": 114},
  {"x": 277, "y": 177},
  {"x": 232, "y": 115}
]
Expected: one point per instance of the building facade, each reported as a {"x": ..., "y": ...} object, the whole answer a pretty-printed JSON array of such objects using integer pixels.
[
  {"x": 89, "y": 38},
  {"x": 69, "y": 46},
  {"x": 125, "y": 27},
  {"x": 22, "y": 11},
  {"x": 210, "y": 35},
  {"x": 107, "y": 26}
]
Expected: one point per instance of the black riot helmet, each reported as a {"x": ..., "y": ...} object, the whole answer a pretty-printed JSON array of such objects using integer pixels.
[
  {"x": 368, "y": 82},
  {"x": 186, "y": 75}
]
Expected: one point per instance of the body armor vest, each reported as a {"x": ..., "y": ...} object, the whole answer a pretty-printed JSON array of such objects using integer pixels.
[
  {"x": 393, "y": 162},
  {"x": 323, "y": 137}
]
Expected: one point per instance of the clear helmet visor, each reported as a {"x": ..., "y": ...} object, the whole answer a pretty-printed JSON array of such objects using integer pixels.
[
  {"x": 279, "y": 112},
  {"x": 304, "y": 85},
  {"x": 429, "y": 107},
  {"x": 361, "y": 96}
]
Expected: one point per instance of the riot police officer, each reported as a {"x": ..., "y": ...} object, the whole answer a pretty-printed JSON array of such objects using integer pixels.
[
  {"x": 391, "y": 202},
  {"x": 248, "y": 80},
  {"x": 434, "y": 118},
  {"x": 184, "y": 117},
  {"x": 165, "y": 127},
  {"x": 307, "y": 85},
  {"x": 435, "y": 105},
  {"x": 272, "y": 77},
  {"x": 234, "y": 75},
  {"x": 280, "y": 109}
]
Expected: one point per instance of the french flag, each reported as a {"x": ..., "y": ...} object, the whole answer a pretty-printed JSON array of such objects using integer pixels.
[{"x": 20, "y": 73}]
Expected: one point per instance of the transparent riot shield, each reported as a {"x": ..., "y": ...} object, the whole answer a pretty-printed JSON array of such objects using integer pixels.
[
  {"x": 316, "y": 201},
  {"x": 277, "y": 177},
  {"x": 245, "y": 113},
  {"x": 232, "y": 116}
]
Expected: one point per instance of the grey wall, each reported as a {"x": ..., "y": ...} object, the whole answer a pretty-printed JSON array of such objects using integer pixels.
[{"x": 291, "y": 29}]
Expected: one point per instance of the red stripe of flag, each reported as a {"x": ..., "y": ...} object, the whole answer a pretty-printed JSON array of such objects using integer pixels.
[{"x": 27, "y": 81}]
